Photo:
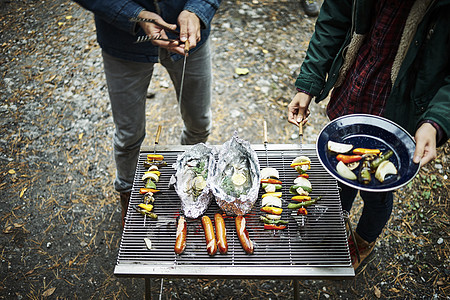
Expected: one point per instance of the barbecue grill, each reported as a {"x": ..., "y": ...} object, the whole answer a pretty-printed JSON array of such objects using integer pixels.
[{"x": 313, "y": 247}]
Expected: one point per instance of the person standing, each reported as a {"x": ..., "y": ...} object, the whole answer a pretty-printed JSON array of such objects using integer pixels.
[
  {"x": 129, "y": 67},
  {"x": 386, "y": 58}
]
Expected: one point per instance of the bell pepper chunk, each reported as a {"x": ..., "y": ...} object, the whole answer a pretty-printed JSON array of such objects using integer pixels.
[
  {"x": 299, "y": 198},
  {"x": 155, "y": 157},
  {"x": 270, "y": 180},
  {"x": 273, "y": 226},
  {"x": 275, "y": 194},
  {"x": 145, "y": 191},
  {"x": 272, "y": 210},
  {"x": 362, "y": 151}
]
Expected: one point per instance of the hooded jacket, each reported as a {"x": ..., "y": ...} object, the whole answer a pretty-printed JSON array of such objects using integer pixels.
[
  {"x": 420, "y": 73},
  {"x": 116, "y": 34}
]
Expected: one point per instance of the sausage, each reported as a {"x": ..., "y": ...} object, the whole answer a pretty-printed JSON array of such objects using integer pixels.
[
  {"x": 243, "y": 235},
  {"x": 210, "y": 237},
  {"x": 180, "y": 243},
  {"x": 221, "y": 233}
]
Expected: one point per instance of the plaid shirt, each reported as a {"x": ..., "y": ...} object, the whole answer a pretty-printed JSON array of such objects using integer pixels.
[{"x": 368, "y": 83}]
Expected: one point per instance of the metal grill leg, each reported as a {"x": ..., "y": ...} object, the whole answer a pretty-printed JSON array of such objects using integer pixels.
[
  {"x": 296, "y": 289},
  {"x": 148, "y": 290}
]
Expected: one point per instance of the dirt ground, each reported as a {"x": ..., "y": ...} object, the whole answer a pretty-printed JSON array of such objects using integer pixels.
[{"x": 59, "y": 214}]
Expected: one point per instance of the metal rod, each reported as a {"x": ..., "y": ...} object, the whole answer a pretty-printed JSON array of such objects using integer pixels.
[{"x": 265, "y": 142}]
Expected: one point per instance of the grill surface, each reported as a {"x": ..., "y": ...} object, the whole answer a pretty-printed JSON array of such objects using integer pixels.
[{"x": 317, "y": 249}]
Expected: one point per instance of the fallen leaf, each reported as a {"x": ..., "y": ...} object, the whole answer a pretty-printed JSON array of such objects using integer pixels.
[
  {"x": 48, "y": 292},
  {"x": 22, "y": 192},
  {"x": 394, "y": 290},
  {"x": 29, "y": 272},
  {"x": 241, "y": 71},
  {"x": 12, "y": 172},
  {"x": 8, "y": 229},
  {"x": 377, "y": 292},
  {"x": 68, "y": 17}
]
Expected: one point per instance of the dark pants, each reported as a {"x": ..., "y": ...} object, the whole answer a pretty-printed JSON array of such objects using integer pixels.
[{"x": 376, "y": 212}]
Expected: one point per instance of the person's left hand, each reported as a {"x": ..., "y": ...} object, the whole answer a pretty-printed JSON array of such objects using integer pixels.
[
  {"x": 425, "y": 144},
  {"x": 190, "y": 28}
]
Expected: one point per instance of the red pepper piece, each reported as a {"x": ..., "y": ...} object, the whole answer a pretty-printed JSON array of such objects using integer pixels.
[
  {"x": 146, "y": 190},
  {"x": 346, "y": 159},
  {"x": 273, "y": 226},
  {"x": 304, "y": 175},
  {"x": 302, "y": 211},
  {"x": 270, "y": 180}
]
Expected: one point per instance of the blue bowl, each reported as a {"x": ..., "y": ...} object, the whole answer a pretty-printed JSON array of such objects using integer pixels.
[{"x": 367, "y": 131}]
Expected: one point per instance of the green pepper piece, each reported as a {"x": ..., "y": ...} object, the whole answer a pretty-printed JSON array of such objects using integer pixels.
[
  {"x": 297, "y": 205},
  {"x": 150, "y": 184},
  {"x": 293, "y": 189},
  {"x": 269, "y": 221},
  {"x": 377, "y": 161},
  {"x": 364, "y": 176}
]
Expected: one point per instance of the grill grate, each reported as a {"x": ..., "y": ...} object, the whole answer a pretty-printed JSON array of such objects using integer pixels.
[{"x": 319, "y": 248}]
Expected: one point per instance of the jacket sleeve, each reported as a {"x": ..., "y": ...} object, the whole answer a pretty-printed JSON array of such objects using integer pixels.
[
  {"x": 114, "y": 12},
  {"x": 331, "y": 29},
  {"x": 439, "y": 110},
  {"x": 204, "y": 9}
]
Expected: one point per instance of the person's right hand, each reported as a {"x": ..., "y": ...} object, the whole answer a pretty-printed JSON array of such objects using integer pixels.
[
  {"x": 298, "y": 108},
  {"x": 154, "y": 30}
]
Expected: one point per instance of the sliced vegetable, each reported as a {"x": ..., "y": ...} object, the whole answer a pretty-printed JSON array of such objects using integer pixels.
[
  {"x": 361, "y": 151},
  {"x": 346, "y": 159},
  {"x": 304, "y": 175},
  {"x": 238, "y": 179},
  {"x": 272, "y": 210},
  {"x": 344, "y": 171},
  {"x": 145, "y": 191},
  {"x": 364, "y": 176},
  {"x": 270, "y": 173},
  {"x": 270, "y": 221},
  {"x": 277, "y": 186},
  {"x": 339, "y": 147},
  {"x": 151, "y": 174},
  {"x": 302, "y": 181},
  {"x": 146, "y": 213},
  {"x": 273, "y": 217},
  {"x": 271, "y": 201},
  {"x": 302, "y": 211},
  {"x": 301, "y": 198},
  {"x": 270, "y": 180},
  {"x": 273, "y": 226},
  {"x": 352, "y": 166},
  {"x": 155, "y": 157},
  {"x": 303, "y": 204},
  {"x": 150, "y": 184},
  {"x": 385, "y": 168},
  {"x": 199, "y": 183},
  {"x": 147, "y": 207},
  {"x": 275, "y": 194},
  {"x": 383, "y": 157},
  {"x": 295, "y": 189}
]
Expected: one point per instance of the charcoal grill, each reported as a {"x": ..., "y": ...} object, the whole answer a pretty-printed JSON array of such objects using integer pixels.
[{"x": 316, "y": 248}]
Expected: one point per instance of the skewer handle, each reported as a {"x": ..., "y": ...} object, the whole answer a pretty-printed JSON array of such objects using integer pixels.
[
  {"x": 265, "y": 132},
  {"x": 158, "y": 133},
  {"x": 300, "y": 128}
]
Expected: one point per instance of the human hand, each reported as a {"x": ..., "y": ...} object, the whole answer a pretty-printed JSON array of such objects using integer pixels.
[
  {"x": 298, "y": 108},
  {"x": 425, "y": 144},
  {"x": 190, "y": 29},
  {"x": 154, "y": 30}
]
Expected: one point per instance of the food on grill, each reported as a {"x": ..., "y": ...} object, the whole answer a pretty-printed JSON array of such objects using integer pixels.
[
  {"x": 145, "y": 212},
  {"x": 148, "y": 243},
  {"x": 302, "y": 211},
  {"x": 301, "y": 186},
  {"x": 269, "y": 173},
  {"x": 275, "y": 227},
  {"x": 147, "y": 190},
  {"x": 147, "y": 207},
  {"x": 271, "y": 201},
  {"x": 345, "y": 172},
  {"x": 267, "y": 220},
  {"x": 193, "y": 169},
  {"x": 154, "y": 160},
  {"x": 180, "y": 242},
  {"x": 301, "y": 164},
  {"x": 221, "y": 233},
  {"x": 303, "y": 204},
  {"x": 339, "y": 147},
  {"x": 385, "y": 168},
  {"x": 210, "y": 237},
  {"x": 235, "y": 183},
  {"x": 243, "y": 235}
]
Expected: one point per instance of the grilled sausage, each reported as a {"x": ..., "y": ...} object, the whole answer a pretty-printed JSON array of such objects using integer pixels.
[
  {"x": 210, "y": 237},
  {"x": 243, "y": 235},
  {"x": 180, "y": 243},
  {"x": 221, "y": 233}
]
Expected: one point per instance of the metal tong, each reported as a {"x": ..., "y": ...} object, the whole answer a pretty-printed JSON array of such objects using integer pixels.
[{"x": 146, "y": 38}]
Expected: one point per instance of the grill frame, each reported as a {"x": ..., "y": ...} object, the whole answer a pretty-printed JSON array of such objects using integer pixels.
[{"x": 317, "y": 250}]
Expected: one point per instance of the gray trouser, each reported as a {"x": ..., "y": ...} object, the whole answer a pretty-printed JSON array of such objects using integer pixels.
[{"x": 128, "y": 83}]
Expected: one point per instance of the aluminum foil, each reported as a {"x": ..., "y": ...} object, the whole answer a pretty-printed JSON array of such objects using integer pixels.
[
  {"x": 192, "y": 167},
  {"x": 236, "y": 161}
]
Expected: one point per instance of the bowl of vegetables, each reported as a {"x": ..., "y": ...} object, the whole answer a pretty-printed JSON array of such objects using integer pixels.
[{"x": 367, "y": 152}]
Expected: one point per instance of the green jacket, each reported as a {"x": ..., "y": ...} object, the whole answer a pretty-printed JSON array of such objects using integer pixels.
[{"x": 421, "y": 70}]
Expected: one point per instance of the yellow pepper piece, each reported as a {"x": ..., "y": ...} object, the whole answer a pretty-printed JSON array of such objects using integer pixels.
[
  {"x": 147, "y": 207},
  {"x": 272, "y": 210},
  {"x": 155, "y": 157},
  {"x": 275, "y": 194},
  {"x": 301, "y": 198},
  {"x": 301, "y": 164}
]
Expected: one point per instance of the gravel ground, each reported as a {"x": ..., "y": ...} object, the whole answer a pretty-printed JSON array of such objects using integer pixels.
[{"x": 59, "y": 214}]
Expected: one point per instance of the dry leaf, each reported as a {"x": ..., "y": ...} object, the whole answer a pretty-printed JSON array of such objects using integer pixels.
[
  {"x": 80, "y": 136},
  {"x": 394, "y": 290},
  {"x": 12, "y": 172},
  {"x": 29, "y": 272},
  {"x": 241, "y": 71},
  {"x": 8, "y": 229},
  {"x": 68, "y": 17},
  {"x": 377, "y": 292},
  {"x": 48, "y": 292},
  {"x": 22, "y": 192}
]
